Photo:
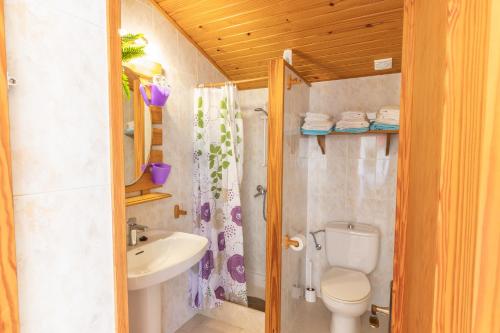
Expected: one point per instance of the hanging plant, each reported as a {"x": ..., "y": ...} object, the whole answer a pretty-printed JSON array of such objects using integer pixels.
[{"x": 131, "y": 49}]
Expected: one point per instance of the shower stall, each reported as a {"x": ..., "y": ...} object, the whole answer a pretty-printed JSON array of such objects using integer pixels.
[
  {"x": 230, "y": 121},
  {"x": 271, "y": 209}
]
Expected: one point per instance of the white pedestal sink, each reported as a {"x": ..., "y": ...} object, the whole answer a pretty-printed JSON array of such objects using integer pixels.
[{"x": 164, "y": 256}]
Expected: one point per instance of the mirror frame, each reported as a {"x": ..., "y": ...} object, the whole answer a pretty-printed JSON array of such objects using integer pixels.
[{"x": 139, "y": 109}]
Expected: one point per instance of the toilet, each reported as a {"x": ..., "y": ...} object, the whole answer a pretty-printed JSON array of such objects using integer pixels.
[{"x": 352, "y": 250}]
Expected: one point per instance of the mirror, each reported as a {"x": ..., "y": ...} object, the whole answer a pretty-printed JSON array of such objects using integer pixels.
[{"x": 138, "y": 127}]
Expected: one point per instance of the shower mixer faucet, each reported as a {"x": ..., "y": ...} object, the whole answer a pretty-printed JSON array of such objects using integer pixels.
[
  {"x": 261, "y": 191},
  {"x": 313, "y": 234}
]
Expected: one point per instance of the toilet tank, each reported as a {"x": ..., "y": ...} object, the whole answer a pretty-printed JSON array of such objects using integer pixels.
[{"x": 352, "y": 245}]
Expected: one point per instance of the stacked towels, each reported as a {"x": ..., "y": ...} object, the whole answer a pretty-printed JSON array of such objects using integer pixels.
[
  {"x": 317, "y": 124},
  {"x": 353, "y": 122},
  {"x": 387, "y": 119}
]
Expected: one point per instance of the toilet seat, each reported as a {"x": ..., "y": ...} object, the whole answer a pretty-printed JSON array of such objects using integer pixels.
[{"x": 345, "y": 285}]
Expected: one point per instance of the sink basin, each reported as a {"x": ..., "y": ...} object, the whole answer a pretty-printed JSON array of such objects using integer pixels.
[{"x": 164, "y": 256}]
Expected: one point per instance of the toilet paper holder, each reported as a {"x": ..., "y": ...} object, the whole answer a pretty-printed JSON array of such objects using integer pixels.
[{"x": 290, "y": 242}]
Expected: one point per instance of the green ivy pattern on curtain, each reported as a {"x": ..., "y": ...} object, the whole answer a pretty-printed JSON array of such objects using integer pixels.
[{"x": 218, "y": 158}]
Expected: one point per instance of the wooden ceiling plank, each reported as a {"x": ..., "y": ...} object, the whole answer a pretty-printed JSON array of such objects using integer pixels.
[
  {"x": 326, "y": 61},
  {"x": 365, "y": 65},
  {"x": 245, "y": 10},
  {"x": 334, "y": 52},
  {"x": 312, "y": 36},
  {"x": 245, "y": 25},
  {"x": 347, "y": 39},
  {"x": 306, "y": 28},
  {"x": 370, "y": 46},
  {"x": 349, "y": 75},
  {"x": 329, "y": 42},
  {"x": 171, "y": 6},
  {"x": 216, "y": 8}
]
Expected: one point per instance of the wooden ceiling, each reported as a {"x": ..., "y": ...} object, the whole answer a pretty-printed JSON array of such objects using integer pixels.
[{"x": 331, "y": 39}]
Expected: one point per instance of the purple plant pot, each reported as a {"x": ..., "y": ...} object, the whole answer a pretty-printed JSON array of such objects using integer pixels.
[
  {"x": 159, "y": 95},
  {"x": 160, "y": 172}
]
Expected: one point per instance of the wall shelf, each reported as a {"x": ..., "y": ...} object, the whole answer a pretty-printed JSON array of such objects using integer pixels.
[
  {"x": 322, "y": 138},
  {"x": 146, "y": 198}
]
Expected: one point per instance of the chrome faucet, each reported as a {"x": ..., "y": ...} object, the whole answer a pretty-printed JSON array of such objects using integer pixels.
[
  {"x": 316, "y": 243},
  {"x": 132, "y": 230},
  {"x": 262, "y": 191}
]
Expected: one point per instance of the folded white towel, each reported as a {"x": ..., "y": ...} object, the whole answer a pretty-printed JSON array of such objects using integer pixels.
[
  {"x": 317, "y": 128},
  {"x": 387, "y": 121},
  {"x": 317, "y": 116},
  {"x": 319, "y": 125},
  {"x": 343, "y": 124},
  {"x": 387, "y": 116},
  {"x": 319, "y": 122},
  {"x": 353, "y": 115}
]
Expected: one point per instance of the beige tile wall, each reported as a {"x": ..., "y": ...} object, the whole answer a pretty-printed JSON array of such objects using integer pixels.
[
  {"x": 354, "y": 181},
  {"x": 57, "y": 51},
  {"x": 254, "y": 173},
  {"x": 185, "y": 68},
  {"x": 295, "y": 196}
]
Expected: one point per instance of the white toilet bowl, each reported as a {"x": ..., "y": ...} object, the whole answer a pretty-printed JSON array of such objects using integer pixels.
[{"x": 346, "y": 293}]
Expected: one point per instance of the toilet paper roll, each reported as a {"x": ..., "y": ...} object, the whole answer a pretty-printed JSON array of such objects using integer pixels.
[{"x": 302, "y": 241}]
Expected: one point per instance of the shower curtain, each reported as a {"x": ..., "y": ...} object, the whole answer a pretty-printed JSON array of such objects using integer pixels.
[{"x": 218, "y": 166}]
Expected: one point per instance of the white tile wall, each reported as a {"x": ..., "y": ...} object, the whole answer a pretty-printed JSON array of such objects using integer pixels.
[
  {"x": 354, "y": 181},
  {"x": 60, "y": 157},
  {"x": 185, "y": 67},
  {"x": 295, "y": 196},
  {"x": 254, "y": 173}
]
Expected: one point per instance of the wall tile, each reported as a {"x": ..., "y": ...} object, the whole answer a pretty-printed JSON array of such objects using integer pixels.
[
  {"x": 62, "y": 87},
  {"x": 53, "y": 230},
  {"x": 60, "y": 152},
  {"x": 184, "y": 67},
  {"x": 370, "y": 176}
]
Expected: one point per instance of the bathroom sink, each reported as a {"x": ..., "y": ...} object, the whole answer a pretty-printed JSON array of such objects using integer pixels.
[{"x": 164, "y": 256}]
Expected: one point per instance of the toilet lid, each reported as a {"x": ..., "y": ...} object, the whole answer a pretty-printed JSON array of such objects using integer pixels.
[{"x": 345, "y": 285}]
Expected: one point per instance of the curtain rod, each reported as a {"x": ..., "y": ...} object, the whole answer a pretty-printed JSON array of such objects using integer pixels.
[{"x": 221, "y": 84}]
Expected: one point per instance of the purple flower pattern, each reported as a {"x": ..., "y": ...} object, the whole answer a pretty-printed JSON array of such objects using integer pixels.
[
  {"x": 221, "y": 241},
  {"x": 236, "y": 268},
  {"x": 207, "y": 264},
  {"x": 205, "y": 212},
  {"x": 220, "y": 293},
  {"x": 236, "y": 215},
  {"x": 221, "y": 276}
]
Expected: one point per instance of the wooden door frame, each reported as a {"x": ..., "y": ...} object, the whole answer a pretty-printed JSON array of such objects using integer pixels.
[
  {"x": 276, "y": 102},
  {"x": 113, "y": 13},
  {"x": 462, "y": 280},
  {"x": 278, "y": 83},
  {"x": 9, "y": 308}
]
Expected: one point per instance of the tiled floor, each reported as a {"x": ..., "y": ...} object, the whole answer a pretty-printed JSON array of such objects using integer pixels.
[
  {"x": 313, "y": 317},
  {"x": 202, "y": 324}
]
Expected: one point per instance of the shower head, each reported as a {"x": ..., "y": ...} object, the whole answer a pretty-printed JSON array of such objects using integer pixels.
[{"x": 261, "y": 110}]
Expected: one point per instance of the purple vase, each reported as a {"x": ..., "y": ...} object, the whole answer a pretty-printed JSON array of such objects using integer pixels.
[
  {"x": 159, "y": 95},
  {"x": 160, "y": 172}
]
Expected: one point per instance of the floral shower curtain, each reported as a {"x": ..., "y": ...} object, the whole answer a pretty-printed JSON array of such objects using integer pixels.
[{"x": 218, "y": 166}]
